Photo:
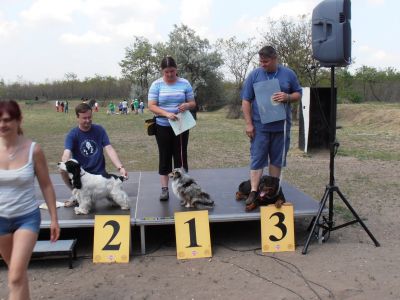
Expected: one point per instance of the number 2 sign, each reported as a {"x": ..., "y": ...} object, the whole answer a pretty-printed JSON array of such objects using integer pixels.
[
  {"x": 277, "y": 228},
  {"x": 111, "y": 239},
  {"x": 192, "y": 231}
]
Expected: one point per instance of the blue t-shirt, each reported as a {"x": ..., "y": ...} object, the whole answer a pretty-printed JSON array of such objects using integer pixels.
[
  {"x": 288, "y": 83},
  {"x": 170, "y": 96},
  {"x": 87, "y": 147}
]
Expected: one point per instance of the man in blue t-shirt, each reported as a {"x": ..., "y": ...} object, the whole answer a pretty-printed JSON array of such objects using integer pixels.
[
  {"x": 87, "y": 143},
  {"x": 268, "y": 142}
]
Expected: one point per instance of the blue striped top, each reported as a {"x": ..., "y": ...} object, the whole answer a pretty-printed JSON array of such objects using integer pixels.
[{"x": 170, "y": 96}]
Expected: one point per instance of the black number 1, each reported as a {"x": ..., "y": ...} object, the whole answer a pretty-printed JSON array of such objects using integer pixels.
[
  {"x": 115, "y": 225},
  {"x": 192, "y": 232},
  {"x": 280, "y": 225}
]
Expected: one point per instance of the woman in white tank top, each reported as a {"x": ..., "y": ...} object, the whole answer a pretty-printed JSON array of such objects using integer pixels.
[{"x": 21, "y": 160}]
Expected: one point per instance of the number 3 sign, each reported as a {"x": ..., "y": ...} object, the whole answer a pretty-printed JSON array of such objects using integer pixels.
[
  {"x": 277, "y": 228},
  {"x": 192, "y": 231},
  {"x": 111, "y": 239}
]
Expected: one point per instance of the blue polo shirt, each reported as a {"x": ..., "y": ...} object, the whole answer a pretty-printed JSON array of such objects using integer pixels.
[{"x": 288, "y": 83}]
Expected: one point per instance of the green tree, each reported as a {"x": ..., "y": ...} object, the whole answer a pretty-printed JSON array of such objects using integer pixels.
[
  {"x": 197, "y": 62},
  {"x": 140, "y": 64},
  {"x": 237, "y": 56}
]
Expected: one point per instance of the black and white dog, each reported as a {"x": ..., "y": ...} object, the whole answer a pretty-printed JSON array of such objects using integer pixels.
[
  {"x": 89, "y": 187},
  {"x": 188, "y": 191}
]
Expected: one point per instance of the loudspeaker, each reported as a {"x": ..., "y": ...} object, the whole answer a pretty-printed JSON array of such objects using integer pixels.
[
  {"x": 314, "y": 119},
  {"x": 331, "y": 33}
]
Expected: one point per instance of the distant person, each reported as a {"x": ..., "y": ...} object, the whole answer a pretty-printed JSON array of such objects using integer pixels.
[
  {"x": 62, "y": 106},
  {"x": 96, "y": 106},
  {"x": 111, "y": 108},
  {"x": 57, "y": 105},
  {"x": 87, "y": 143},
  {"x": 268, "y": 142},
  {"x": 21, "y": 162},
  {"x": 136, "y": 106},
  {"x": 124, "y": 107},
  {"x": 141, "y": 106},
  {"x": 167, "y": 97},
  {"x": 66, "y": 106}
]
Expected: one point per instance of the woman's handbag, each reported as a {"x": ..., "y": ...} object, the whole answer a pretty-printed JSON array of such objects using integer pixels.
[{"x": 150, "y": 125}]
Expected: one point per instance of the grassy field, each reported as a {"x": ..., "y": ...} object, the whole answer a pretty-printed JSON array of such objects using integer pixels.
[{"x": 368, "y": 131}]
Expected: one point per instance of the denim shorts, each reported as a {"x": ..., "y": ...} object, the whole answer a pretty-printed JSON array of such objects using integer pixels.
[
  {"x": 266, "y": 148},
  {"x": 30, "y": 221}
]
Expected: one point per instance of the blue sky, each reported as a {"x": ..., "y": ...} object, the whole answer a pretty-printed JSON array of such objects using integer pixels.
[{"x": 45, "y": 39}]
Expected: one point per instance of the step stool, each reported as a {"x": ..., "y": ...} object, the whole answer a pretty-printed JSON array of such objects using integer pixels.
[{"x": 61, "y": 247}]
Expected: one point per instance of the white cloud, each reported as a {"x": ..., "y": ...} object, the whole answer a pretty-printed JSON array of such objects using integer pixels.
[
  {"x": 370, "y": 56},
  {"x": 196, "y": 15},
  {"x": 134, "y": 27},
  {"x": 50, "y": 11},
  {"x": 376, "y": 2},
  {"x": 89, "y": 38},
  {"x": 253, "y": 26},
  {"x": 7, "y": 28},
  {"x": 293, "y": 8}
]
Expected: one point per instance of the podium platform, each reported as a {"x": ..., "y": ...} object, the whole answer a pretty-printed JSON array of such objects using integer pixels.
[{"x": 143, "y": 189}]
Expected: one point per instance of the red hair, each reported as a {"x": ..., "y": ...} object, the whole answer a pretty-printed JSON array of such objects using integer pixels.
[{"x": 12, "y": 108}]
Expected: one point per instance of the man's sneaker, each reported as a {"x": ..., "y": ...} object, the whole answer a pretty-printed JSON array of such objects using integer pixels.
[
  {"x": 251, "y": 198},
  {"x": 164, "y": 196},
  {"x": 71, "y": 202}
]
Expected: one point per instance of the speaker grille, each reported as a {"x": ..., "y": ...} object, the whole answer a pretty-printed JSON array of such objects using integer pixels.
[{"x": 342, "y": 18}]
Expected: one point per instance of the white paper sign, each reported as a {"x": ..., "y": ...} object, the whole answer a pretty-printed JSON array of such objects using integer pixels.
[{"x": 185, "y": 122}]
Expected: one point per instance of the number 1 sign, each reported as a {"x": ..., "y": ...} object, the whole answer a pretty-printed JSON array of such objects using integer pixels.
[
  {"x": 192, "y": 230},
  {"x": 111, "y": 239}
]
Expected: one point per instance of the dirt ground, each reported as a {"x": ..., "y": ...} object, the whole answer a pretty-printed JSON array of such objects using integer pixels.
[{"x": 347, "y": 266}]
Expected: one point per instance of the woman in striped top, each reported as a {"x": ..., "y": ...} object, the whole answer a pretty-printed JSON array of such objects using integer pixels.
[{"x": 168, "y": 96}]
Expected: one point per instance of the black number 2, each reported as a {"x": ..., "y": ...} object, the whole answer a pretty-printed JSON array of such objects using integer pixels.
[
  {"x": 280, "y": 225},
  {"x": 192, "y": 232},
  {"x": 115, "y": 225}
]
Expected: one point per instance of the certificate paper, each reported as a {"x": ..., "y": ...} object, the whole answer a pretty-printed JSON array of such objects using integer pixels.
[
  {"x": 185, "y": 122},
  {"x": 270, "y": 110}
]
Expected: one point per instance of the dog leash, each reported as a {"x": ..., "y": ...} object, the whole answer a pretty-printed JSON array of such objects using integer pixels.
[
  {"x": 180, "y": 136},
  {"x": 283, "y": 158}
]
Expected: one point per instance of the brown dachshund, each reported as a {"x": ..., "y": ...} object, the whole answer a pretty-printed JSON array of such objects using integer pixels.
[{"x": 267, "y": 193}]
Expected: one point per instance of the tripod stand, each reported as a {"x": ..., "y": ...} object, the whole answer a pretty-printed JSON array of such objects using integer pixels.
[{"x": 332, "y": 187}]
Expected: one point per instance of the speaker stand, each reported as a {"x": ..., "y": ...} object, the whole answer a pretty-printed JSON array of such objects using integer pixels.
[{"x": 327, "y": 224}]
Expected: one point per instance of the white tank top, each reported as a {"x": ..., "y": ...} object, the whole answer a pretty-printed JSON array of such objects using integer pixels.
[{"x": 17, "y": 191}]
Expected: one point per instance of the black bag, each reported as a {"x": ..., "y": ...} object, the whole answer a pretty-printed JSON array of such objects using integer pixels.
[{"x": 150, "y": 125}]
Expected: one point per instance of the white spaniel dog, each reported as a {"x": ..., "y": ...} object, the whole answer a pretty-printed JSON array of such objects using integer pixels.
[{"x": 89, "y": 187}]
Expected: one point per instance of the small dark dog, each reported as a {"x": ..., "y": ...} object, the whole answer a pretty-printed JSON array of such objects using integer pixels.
[
  {"x": 267, "y": 193},
  {"x": 188, "y": 191}
]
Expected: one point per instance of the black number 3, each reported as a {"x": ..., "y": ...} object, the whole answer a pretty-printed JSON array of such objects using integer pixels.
[
  {"x": 115, "y": 225},
  {"x": 280, "y": 225}
]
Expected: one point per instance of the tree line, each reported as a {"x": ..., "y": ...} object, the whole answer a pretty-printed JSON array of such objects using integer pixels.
[{"x": 216, "y": 71}]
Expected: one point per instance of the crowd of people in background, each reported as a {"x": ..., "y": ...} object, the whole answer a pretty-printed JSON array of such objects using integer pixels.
[
  {"x": 123, "y": 107},
  {"x": 62, "y": 106}
]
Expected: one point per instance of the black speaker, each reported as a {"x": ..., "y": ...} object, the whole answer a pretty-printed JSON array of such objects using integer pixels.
[
  {"x": 331, "y": 33},
  {"x": 314, "y": 120}
]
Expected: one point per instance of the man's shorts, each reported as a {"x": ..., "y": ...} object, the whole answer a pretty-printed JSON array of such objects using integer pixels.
[
  {"x": 30, "y": 221},
  {"x": 266, "y": 148}
]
